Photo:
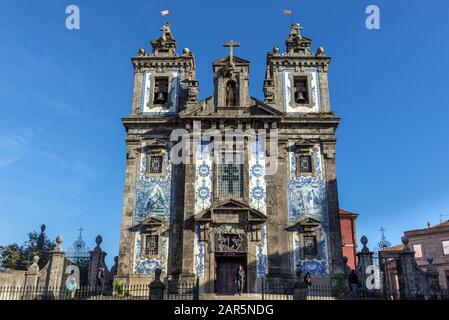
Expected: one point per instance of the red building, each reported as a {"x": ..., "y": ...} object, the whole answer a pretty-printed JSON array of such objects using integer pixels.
[{"x": 348, "y": 235}]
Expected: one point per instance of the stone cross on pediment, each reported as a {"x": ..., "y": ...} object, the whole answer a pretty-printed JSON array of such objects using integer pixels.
[{"x": 231, "y": 44}]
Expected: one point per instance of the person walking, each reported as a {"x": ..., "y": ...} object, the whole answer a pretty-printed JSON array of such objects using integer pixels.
[
  {"x": 71, "y": 287},
  {"x": 353, "y": 280},
  {"x": 308, "y": 283},
  {"x": 100, "y": 280}
]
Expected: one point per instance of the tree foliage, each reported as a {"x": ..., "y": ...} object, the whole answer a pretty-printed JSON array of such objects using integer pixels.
[{"x": 20, "y": 257}]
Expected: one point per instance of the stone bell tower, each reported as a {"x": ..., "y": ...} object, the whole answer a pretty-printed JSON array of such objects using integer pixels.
[
  {"x": 164, "y": 84},
  {"x": 296, "y": 83}
]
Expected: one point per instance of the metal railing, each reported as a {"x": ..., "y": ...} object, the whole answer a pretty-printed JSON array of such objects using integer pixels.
[
  {"x": 173, "y": 291},
  {"x": 189, "y": 291}
]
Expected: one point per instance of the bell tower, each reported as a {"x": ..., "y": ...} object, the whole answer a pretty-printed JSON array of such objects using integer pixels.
[{"x": 231, "y": 81}]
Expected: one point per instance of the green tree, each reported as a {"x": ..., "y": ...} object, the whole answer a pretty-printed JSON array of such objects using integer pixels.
[{"x": 18, "y": 257}]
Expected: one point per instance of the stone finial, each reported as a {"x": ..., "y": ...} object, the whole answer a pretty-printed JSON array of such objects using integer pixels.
[
  {"x": 34, "y": 267},
  {"x": 276, "y": 50},
  {"x": 405, "y": 242},
  {"x": 320, "y": 51},
  {"x": 142, "y": 52},
  {"x": 98, "y": 241},
  {"x": 364, "y": 241},
  {"x": 59, "y": 240},
  {"x": 186, "y": 51}
]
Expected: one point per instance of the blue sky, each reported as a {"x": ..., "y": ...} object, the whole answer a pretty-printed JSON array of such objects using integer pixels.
[{"x": 63, "y": 93}]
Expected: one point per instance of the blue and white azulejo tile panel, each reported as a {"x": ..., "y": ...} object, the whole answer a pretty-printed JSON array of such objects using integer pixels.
[
  {"x": 307, "y": 198},
  {"x": 199, "y": 252},
  {"x": 203, "y": 198},
  {"x": 261, "y": 254},
  {"x": 153, "y": 199},
  {"x": 203, "y": 177},
  {"x": 148, "y": 266},
  {"x": 257, "y": 181}
]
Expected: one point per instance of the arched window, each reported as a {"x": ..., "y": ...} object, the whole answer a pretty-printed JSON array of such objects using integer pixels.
[{"x": 231, "y": 94}]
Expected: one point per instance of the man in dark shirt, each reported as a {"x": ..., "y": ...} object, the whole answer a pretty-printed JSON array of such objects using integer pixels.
[{"x": 353, "y": 280}]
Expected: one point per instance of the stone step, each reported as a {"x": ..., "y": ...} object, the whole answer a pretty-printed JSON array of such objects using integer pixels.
[{"x": 244, "y": 296}]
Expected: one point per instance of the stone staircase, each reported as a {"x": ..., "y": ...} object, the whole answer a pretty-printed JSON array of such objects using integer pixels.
[{"x": 244, "y": 296}]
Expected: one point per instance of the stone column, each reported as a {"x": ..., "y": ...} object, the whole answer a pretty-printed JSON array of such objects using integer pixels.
[
  {"x": 96, "y": 261},
  {"x": 365, "y": 259},
  {"x": 56, "y": 269}
]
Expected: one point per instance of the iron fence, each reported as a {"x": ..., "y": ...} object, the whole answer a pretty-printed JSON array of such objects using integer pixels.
[
  {"x": 281, "y": 291},
  {"x": 173, "y": 291},
  {"x": 189, "y": 291}
]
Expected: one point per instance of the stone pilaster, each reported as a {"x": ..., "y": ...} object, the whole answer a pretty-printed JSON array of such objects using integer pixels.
[
  {"x": 335, "y": 241},
  {"x": 125, "y": 262},
  {"x": 188, "y": 262}
]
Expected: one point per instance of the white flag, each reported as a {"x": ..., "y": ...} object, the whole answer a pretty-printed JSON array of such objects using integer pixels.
[
  {"x": 165, "y": 12},
  {"x": 289, "y": 12}
]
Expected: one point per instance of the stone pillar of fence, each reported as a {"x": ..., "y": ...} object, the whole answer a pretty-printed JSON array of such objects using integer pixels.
[
  {"x": 364, "y": 260},
  {"x": 56, "y": 268},
  {"x": 32, "y": 274},
  {"x": 299, "y": 288},
  {"x": 31, "y": 279},
  {"x": 433, "y": 280},
  {"x": 410, "y": 280},
  {"x": 157, "y": 287},
  {"x": 96, "y": 262}
]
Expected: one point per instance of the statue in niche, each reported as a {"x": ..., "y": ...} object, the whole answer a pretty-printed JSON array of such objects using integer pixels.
[{"x": 231, "y": 94}]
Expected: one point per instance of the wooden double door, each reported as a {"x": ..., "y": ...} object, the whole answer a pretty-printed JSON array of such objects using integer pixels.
[{"x": 226, "y": 273}]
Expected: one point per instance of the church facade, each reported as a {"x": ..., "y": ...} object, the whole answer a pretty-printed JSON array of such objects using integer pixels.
[{"x": 230, "y": 181}]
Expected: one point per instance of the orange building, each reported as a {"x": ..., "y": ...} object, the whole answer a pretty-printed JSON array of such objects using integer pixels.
[{"x": 348, "y": 235}]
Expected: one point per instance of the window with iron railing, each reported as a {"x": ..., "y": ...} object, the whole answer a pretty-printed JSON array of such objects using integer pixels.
[
  {"x": 310, "y": 247},
  {"x": 152, "y": 245}
]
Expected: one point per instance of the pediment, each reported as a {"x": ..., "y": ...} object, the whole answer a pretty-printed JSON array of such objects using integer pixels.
[
  {"x": 154, "y": 143},
  {"x": 305, "y": 224},
  {"x": 151, "y": 224},
  {"x": 237, "y": 60},
  {"x": 304, "y": 143},
  {"x": 152, "y": 221},
  {"x": 261, "y": 108},
  {"x": 235, "y": 210},
  {"x": 231, "y": 204}
]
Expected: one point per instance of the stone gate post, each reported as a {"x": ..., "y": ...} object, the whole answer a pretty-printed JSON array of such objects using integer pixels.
[
  {"x": 365, "y": 259},
  {"x": 56, "y": 269},
  {"x": 96, "y": 261}
]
